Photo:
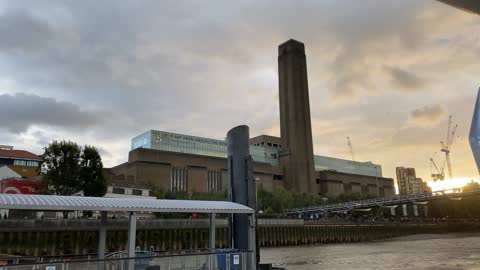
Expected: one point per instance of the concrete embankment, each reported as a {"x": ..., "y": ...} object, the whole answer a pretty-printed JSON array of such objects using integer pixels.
[{"x": 57, "y": 237}]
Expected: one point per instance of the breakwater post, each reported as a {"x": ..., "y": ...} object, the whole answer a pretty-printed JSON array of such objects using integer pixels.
[{"x": 60, "y": 237}]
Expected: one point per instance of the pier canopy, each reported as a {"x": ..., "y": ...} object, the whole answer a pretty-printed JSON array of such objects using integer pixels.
[
  {"x": 132, "y": 206},
  {"x": 79, "y": 203}
]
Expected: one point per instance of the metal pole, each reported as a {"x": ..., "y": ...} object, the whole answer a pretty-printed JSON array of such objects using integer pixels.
[
  {"x": 132, "y": 230},
  {"x": 102, "y": 237},
  {"x": 211, "y": 242},
  {"x": 212, "y": 231},
  {"x": 252, "y": 244}
]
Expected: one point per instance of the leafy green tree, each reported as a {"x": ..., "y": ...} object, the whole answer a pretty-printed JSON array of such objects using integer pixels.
[
  {"x": 281, "y": 200},
  {"x": 61, "y": 169},
  {"x": 157, "y": 191},
  {"x": 68, "y": 169},
  {"x": 92, "y": 179}
]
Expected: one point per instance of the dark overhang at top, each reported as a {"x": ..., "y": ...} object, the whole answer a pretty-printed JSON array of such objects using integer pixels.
[{"x": 472, "y": 6}]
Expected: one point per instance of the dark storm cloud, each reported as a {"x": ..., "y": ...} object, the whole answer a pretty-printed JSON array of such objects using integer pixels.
[
  {"x": 201, "y": 67},
  {"x": 21, "y": 31},
  {"x": 429, "y": 115},
  {"x": 20, "y": 111},
  {"x": 406, "y": 80}
]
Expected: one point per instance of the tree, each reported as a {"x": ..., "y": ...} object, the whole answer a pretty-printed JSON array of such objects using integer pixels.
[
  {"x": 92, "y": 180},
  {"x": 157, "y": 191},
  {"x": 68, "y": 169},
  {"x": 471, "y": 186},
  {"x": 60, "y": 168}
]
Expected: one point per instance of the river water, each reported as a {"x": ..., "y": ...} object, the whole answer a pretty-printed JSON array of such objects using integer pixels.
[{"x": 432, "y": 252}]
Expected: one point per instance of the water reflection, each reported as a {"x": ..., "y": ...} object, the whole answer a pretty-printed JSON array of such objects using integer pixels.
[{"x": 453, "y": 251}]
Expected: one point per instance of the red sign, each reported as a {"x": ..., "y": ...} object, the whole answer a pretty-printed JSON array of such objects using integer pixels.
[{"x": 19, "y": 187}]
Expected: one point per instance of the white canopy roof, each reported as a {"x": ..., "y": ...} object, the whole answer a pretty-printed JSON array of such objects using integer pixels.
[{"x": 65, "y": 203}]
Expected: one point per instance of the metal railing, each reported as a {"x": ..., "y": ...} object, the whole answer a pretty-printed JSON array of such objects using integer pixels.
[{"x": 219, "y": 260}]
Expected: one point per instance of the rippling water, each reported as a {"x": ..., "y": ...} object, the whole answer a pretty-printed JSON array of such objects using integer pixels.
[{"x": 453, "y": 251}]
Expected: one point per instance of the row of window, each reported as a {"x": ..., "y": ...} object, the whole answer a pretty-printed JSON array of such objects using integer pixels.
[
  {"x": 268, "y": 144},
  {"x": 28, "y": 163},
  {"x": 179, "y": 179},
  {"x": 119, "y": 190},
  {"x": 214, "y": 181}
]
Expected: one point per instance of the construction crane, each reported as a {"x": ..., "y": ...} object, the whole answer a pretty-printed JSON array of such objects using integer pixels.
[
  {"x": 350, "y": 147},
  {"x": 447, "y": 145},
  {"x": 436, "y": 173}
]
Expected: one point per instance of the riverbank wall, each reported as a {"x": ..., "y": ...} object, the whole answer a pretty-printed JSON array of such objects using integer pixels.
[{"x": 60, "y": 237}]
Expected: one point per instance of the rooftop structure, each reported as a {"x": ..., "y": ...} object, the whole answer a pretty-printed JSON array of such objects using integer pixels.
[
  {"x": 367, "y": 168},
  {"x": 18, "y": 155},
  {"x": 181, "y": 143},
  {"x": 22, "y": 162},
  {"x": 264, "y": 148}
]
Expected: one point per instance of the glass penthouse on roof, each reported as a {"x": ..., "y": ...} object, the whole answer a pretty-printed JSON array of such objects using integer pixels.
[{"x": 173, "y": 142}]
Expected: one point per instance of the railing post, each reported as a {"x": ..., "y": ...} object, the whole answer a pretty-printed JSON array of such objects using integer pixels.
[
  {"x": 210, "y": 262},
  {"x": 227, "y": 261},
  {"x": 132, "y": 231},
  {"x": 212, "y": 232},
  {"x": 102, "y": 236}
]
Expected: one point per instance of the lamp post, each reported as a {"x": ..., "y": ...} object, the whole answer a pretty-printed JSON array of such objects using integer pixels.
[{"x": 376, "y": 177}]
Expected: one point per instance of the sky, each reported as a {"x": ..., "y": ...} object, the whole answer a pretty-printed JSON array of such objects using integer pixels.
[{"x": 385, "y": 73}]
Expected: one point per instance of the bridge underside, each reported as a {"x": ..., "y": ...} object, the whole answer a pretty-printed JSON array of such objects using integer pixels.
[{"x": 467, "y": 5}]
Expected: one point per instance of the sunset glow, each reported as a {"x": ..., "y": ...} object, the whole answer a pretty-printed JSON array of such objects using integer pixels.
[{"x": 456, "y": 182}]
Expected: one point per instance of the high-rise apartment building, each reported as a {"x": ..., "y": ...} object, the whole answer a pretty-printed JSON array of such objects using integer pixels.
[{"x": 409, "y": 183}]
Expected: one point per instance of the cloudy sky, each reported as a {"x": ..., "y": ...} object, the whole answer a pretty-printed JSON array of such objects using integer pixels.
[{"x": 385, "y": 73}]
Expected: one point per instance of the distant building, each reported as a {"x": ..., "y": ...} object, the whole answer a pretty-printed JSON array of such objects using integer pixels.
[
  {"x": 6, "y": 172},
  {"x": 22, "y": 162},
  {"x": 426, "y": 187},
  {"x": 409, "y": 183},
  {"x": 185, "y": 163}
]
